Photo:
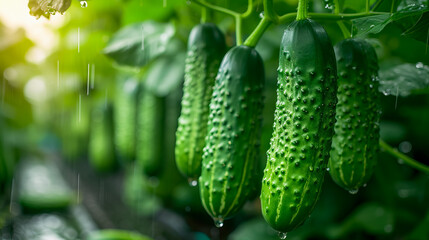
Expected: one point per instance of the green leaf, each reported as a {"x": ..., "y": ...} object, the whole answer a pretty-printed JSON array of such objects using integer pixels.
[
  {"x": 371, "y": 24},
  {"x": 405, "y": 79},
  {"x": 47, "y": 8},
  {"x": 385, "y": 5},
  {"x": 405, "y": 17},
  {"x": 137, "y": 44},
  {"x": 167, "y": 72},
  {"x": 420, "y": 30}
]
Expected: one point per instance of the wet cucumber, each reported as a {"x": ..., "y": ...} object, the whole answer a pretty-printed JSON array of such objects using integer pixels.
[
  {"x": 303, "y": 126},
  {"x": 230, "y": 157},
  {"x": 206, "y": 47},
  {"x": 150, "y": 134},
  {"x": 101, "y": 143},
  {"x": 355, "y": 144}
]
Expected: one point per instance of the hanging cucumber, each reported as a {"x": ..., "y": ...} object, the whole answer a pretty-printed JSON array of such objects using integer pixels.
[
  {"x": 101, "y": 143},
  {"x": 125, "y": 119},
  {"x": 150, "y": 134},
  {"x": 355, "y": 144},
  {"x": 230, "y": 157},
  {"x": 206, "y": 47},
  {"x": 303, "y": 126}
]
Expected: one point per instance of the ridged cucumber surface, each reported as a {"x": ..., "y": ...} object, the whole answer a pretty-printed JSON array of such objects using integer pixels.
[
  {"x": 206, "y": 47},
  {"x": 303, "y": 126},
  {"x": 150, "y": 133},
  {"x": 355, "y": 144},
  {"x": 230, "y": 157}
]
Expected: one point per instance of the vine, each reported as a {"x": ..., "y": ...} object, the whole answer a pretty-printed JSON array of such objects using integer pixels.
[{"x": 270, "y": 17}]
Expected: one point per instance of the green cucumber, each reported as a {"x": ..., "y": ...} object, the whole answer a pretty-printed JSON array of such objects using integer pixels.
[
  {"x": 206, "y": 47},
  {"x": 150, "y": 134},
  {"x": 231, "y": 155},
  {"x": 125, "y": 119},
  {"x": 355, "y": 144},
  {"x": 101, "y": 142},
  {"x": 303, "y": 126}
]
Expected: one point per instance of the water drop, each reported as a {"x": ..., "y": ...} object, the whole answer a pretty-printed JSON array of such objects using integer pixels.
[
  {"x": 218, "y": 222},
  {"x": 419, "y": 65},
  {"x": 52, "y": 11},
  {"x": 405, "y": 147},
  {"x": 354, "y": 191},
  {"x": 400, "y": 161},
  {"x": 327, "y": 169},
  {"x": 83, "y": 4},
  {"x": 282, "y": 235},
  {"x": 261, "y": 15},
  {"x": 329, "y": 6},
  {"x": 192, "y": 182}
]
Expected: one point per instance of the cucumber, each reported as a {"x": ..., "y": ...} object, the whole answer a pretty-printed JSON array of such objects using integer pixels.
[
  {"x": 230, "y": 158},
  {"x": 101, "y": 143},
  {"x": 150, "y": 134},
  {"x": 206, "y": 47},
  {"x": 355, "y": 144},
  {"x": 303, "y": 126},
  {"x": 125, "y": 119}
]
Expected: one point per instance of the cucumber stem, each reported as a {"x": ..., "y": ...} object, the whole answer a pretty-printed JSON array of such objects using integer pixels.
[
  {"x": 269, "y": 12},
  {"x": 302, "y": 10},
  {"x": 407, "y": 160},
  {"x": 249, "y": 10},
  {"x": 254, "y": 37}
]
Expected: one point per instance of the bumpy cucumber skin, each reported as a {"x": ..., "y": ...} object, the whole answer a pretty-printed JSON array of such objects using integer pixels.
[
  {"x": 355, "y": 144},
  {"x": 150, "y": 134},
  {"x": 303, "y": 126},
  {"x": 101, "y": 139},
  {"x": 230, "y": 158},
  {"x": 206, "y": 47},
  {"x": 125, "y": 120}
]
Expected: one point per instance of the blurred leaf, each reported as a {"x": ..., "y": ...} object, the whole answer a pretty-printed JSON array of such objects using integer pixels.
[
  {"x": 166, "y": 73},
  {"x": 404, "y": 79},
  {"x": 142, "y": 10},
  {"x": 421, "y": 231},
  {"x": 420, "y": 30},
  {"x": 385, "y": 5},
  {"x": 137, "y": 44},
  {"x": 109, "y": 234},
  {"x": 254, "y": 230},
  {"x": 371, "y": 218}
]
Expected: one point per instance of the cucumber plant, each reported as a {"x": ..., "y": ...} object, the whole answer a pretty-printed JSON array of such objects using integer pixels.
[
  {"x": 206, "y": 47},
  {"x": 355, "y": 143},
  {"x": 230, "y": 157}
]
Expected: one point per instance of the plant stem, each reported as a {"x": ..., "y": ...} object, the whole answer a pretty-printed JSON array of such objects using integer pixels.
[
  {"x": 216, "y": 8},
  {"x": 203, "y": 14},
  {"x": 269, "y": 12},
  {"x": 344, "y": 30},
  {"x": 249, "y": 10},
  {"x": 409, "y": 161},
  {"x": 367, "y": 6},
  {"x": 254, "y": 37},
  {"x": 238, "y": 30},
  {"x": 328, "y": 16},
  {"x": 337, "y": 9},
  {"x": 302, "y": 10}
]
